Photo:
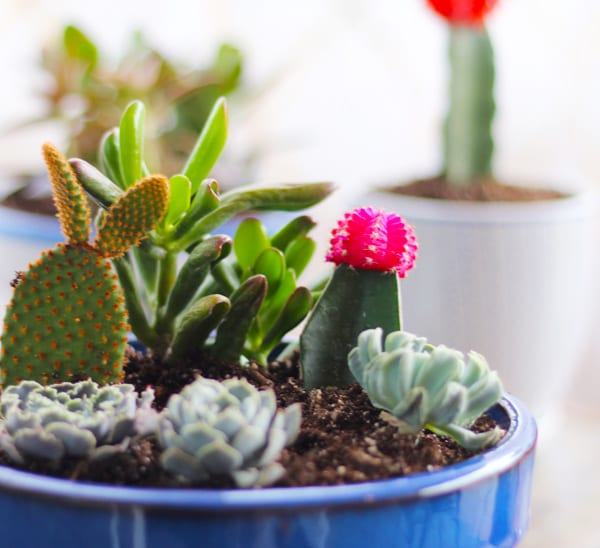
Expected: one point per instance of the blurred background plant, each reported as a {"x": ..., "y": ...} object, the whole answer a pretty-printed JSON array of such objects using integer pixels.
[{"x": 86, "y": 92}]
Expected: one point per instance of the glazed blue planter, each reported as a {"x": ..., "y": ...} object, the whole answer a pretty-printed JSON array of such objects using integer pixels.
[{"x": 481, "y": 502}]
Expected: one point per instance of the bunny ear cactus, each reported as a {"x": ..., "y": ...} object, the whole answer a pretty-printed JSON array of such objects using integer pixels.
[
  {"x": 372, "y": 250},
  {"x": 468, "y": 141},
  {"x": 67, "y": 316},
  {"x": 422, "y": 386},
  {"x": 174, "y": 306}
]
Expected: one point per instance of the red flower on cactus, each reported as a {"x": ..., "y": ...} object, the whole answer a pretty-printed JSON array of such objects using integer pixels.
[
  {"x": 463, "y": 11},
  {"x": 374, "y": 240}
]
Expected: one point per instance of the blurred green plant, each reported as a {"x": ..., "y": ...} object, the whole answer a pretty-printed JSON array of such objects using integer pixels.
[{"x": 88, "y": 93}]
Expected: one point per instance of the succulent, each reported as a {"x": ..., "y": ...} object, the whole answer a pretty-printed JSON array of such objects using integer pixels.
[
  {"x": 71, "y": 419},
  {"x": 260, "y": 281},
  {"x": 372, "y": 250},
  {"x": 227, "y": 429},
  {"x": 422, "y": 386},
  {"x": 176, "y": 291},
  {"x": 67, "y": 316},
  {"x": 468, "y": 141}
]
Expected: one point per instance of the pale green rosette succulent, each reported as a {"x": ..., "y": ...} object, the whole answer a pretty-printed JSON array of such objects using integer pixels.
[
  {"x": 227, "y": 429},
  {"x": 72, "y": 419},
  {"x": 422, "y": 386}
]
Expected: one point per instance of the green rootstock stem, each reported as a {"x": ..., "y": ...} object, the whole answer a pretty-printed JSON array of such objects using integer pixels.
[
  {"x": 468, "y": 142},
  {"x": 354, "y": 300}
]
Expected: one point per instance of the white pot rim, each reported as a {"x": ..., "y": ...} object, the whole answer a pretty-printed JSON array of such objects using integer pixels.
[{"x": 576, "y": 206}]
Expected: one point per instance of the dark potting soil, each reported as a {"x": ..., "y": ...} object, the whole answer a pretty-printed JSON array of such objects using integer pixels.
[
  {"x": 343, "y": 438},
  {"x": 483, "y": 190}
]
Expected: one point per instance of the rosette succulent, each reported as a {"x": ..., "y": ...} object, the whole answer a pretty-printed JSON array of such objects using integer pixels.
[
  {"x": 372, "y": 250},
  {"x": 425, "y": 386},
  {"x": 226, "y": 429},
  {"x": 72, "y": 419}
]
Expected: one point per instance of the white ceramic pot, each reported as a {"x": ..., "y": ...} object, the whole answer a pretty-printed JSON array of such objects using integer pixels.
[{"x": 514, "y": 281}]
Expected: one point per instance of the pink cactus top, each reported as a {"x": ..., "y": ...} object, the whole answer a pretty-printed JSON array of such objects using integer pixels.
[{"x": 373, "y": 240}]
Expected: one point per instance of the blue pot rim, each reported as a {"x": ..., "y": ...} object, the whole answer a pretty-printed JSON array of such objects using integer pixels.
[{"x": 517, "y": 445}]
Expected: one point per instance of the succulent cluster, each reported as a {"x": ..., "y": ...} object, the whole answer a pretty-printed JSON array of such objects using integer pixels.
[
  {"x": 227, "y": 429},
  {"x": 175, "y": 304},
  {"x": 67, "y": 316},
  {"x": 423, "y": 386},
  {"x": 71, "y": 419}
]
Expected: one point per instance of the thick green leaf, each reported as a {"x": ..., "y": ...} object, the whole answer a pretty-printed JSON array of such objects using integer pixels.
[
  {"x": 209, "y": 145},
  {"x": 249, "y": 242},
  {"x": 299, "y": 253},
  {"x": 271, "y": 264},
  {"x": 286, "y": 197},
  {"x": 78, "y": 46},
  {"x": 101, "y": 189},
  {"x": 110, "y": 157},
  {"x": 180, "y": 191},
  {"x": 294, "y": 311},
  {"x": 131, "y": 142},
  {"x": 245, "y": 303},
  {"x": 196, "y": 325},
  {"x": 194, "y": 271},
  {"x": 300, "y": 226},
  {"x": 274, "y": 304}
]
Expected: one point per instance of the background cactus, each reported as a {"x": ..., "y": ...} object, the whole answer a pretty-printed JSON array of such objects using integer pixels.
[
  {"x": 468, "y": 141},
  {"x": 71, "y": 419},
  {"x": 371, "y": 249},
  {"x": 423, "y": 386},
  {"x": 173, "y": 304},
  {"x": 225, "y": 429},
  {"x": 67, "y": 316}
]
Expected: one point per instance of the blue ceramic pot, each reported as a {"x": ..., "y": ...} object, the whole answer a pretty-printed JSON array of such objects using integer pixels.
[{"x": 481, "y": 502}]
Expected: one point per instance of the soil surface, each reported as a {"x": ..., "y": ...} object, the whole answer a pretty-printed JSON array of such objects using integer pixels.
[
  {"x": 483, "y": 190},
  {"x": 342, "y": 439}
]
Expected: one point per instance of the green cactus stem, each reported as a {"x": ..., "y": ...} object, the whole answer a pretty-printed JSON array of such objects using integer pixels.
[
  {"x": 354, "y": 300},
  {"x": 468, "y": 141},
  {"x": 67, "y": 317}
]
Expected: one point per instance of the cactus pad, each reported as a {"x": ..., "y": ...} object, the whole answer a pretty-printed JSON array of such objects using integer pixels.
[
  {"x": 132, "y": 216},
  {"x": 67, "y": 319},
  {"x": 69, "y": 197}
]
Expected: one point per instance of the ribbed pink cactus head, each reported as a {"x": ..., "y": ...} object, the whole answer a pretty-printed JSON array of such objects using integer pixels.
[{"x": 374, "y": 240}]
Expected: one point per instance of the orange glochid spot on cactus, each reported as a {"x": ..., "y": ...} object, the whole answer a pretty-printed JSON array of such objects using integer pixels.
[
  {"x": 68, "y": 354},
  {"x": 23, "y": 329},
  {"x": 53, "y": 345},
  {"x": 90, "y": 346},
  {"x": 61, "y": 322},
  {"x": 27, "y": 349},
  {"x": 47, "y": 285},
  {"x": 100, "y": 303},
  {"x": 69, "y": 336},
  {"x": 80, "y": 333},
  {"x": 56, "y": 365},
  {"x": 37, "y": 302},
  {"x": 49, "y": 329},
  {"x": 15, "y": 359},
  {"x": 15, "y": 316},
  {"x": 29, "y": 368},
  {"x": 54, "y": 311},
  {"x": 38, "y": 318},
  {"x": 466, "y": 12},
  {"x": 41, "y": 355},
  {"x": 45, "y": 378},
  {"x": 373, "y": 240},
  {"x": 98, "y": 326},
  {"x": 34, "y": 289},
  {"x": 37, "y": 337},
  {"x": 82, "y": 363}
]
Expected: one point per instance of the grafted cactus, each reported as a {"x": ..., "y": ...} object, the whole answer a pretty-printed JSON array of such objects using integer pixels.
[
  {"x": 71, "y": 419},
  {"x": 423, "y": 386},
  {"x": 67, "y": 316},
  {"x": 227, "y": 429}
]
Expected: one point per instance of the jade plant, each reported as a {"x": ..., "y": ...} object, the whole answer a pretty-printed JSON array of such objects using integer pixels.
[
  {"x": 422, "y": 386},
  {"x": 467, "y": 136},
  {"x": 72, "y": 420},
  {"x": 227, "y": 429},
  {"x": 178, "y": 286},
  {"x": 67, "y": 317}
]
